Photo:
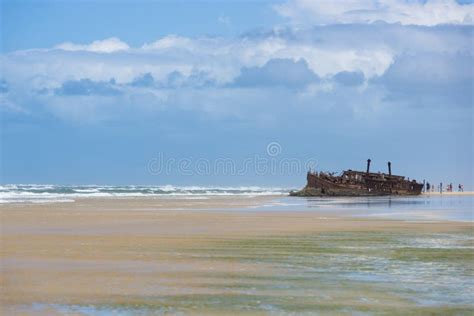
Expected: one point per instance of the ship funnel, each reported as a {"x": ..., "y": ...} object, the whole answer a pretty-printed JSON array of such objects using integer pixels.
[
  {"x": 389, "y": 168},
  {"x": 368, "y": 165}
]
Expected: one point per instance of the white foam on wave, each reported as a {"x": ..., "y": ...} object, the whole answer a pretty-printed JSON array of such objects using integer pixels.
[
  {"x": 86, "y": 190},
  {"x": 37, "y": 193}
]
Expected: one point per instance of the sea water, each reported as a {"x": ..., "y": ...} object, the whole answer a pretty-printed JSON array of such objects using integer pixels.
[
  {"x": 422, "y": 207},
  {"x": 44, "y": 193},
  {"x": 343, "y": 273}
]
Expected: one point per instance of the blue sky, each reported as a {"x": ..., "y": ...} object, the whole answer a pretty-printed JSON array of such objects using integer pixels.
[
  {"x": 43, "y": 24},
  {"x": 92, "y": 91}
]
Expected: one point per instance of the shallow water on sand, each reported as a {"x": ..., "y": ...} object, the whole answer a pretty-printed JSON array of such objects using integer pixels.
[
  {"x": 423, "y": 207},
  {"x": 344, "y": 273},
  {"x": 360, "y": 270}
]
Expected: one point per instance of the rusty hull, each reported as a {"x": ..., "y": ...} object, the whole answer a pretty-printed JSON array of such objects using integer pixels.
[{"x": 358, "y": 183}]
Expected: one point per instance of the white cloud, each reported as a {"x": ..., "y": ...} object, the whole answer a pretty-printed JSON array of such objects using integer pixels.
[
  {"x": 430, "y": 12},
  {"x": 221, "y": 59},
  {"x": 224, "y": 58},
  {"x": 195, "y": 73},
  {"x": 170, "y": 41},
  {"x": 327, "y": 50},
  {"x": 108, "y": 45}
]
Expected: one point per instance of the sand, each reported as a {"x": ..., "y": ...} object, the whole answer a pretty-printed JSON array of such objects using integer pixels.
[
  {"x": 465, "y": 193},
  {"x": 158, "y": 256}
]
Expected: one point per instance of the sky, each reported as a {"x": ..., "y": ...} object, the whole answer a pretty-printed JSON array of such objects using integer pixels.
[{"x": 162, "y": 92}]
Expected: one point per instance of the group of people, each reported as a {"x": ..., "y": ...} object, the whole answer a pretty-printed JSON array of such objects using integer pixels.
[{"x": 449, "y": 188}]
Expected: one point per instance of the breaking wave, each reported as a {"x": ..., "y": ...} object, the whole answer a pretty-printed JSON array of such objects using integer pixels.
[{"x": 39, "y": 193}]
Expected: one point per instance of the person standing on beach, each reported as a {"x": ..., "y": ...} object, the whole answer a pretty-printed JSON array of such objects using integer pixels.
[
  {"x": 428, "y": 187},
  {"x": 441, "y": 188}
]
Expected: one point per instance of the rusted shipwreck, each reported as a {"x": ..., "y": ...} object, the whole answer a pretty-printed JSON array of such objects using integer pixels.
[{"x": 358, "y": 183}]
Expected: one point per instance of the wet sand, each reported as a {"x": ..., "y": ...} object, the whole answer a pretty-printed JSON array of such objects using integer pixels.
[
  {"x": 192, "y": 256},
  {"x": 466, "y": 193}
]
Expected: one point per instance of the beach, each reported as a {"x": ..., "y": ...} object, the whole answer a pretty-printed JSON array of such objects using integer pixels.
[
  {"x": 465, "y": 193},
  {"x": 226, "y": 255},
  {"x": 272, "y": 157}
]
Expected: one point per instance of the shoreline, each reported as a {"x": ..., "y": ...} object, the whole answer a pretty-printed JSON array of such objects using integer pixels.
[
  {"x": 74, "y": 198},
  {"x": 146, "y": 255},
  {"x": 467, "y": 193}
]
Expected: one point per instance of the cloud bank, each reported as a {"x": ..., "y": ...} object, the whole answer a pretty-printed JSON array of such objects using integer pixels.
[
  {"x": 428, "y": 13},
  {"x": 375, "y": 66}
]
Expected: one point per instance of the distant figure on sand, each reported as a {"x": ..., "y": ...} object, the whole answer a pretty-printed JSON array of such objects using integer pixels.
[
  {"x": 428, "y": 187},
  {"x": 441, "y": 187}
]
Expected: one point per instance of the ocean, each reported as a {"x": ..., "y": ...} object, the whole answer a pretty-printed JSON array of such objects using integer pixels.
[
  {"x": 46, "y": 193},
  {"x": 423, "y": 207}
]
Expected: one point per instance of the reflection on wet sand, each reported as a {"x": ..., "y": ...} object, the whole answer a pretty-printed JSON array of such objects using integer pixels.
[{"x": 428, "y": 207}]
